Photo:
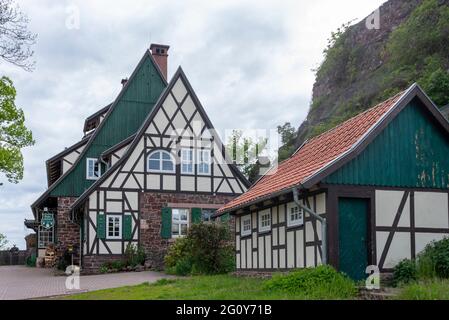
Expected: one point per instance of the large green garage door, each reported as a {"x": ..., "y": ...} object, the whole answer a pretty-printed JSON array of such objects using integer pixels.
[{"x": 353, "y": 228}]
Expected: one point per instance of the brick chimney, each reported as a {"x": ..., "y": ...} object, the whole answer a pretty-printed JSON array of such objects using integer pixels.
[{"x": 160, "y": 55}]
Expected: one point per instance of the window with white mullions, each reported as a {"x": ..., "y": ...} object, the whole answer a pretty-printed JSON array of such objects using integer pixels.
[
  {"x": 93, "y": 169},
  {"x": 46, "y": 236},
  {"x": 114, "y": 227},
  {"x": 265, "y": 220},
  {"x": 295, "y": 215},
  {"x": 187, "y": 161},
  {"x": 246, "y": 225},
  {"x": 204, "y": 161},
  {"x": 161, "y": 161},
  {"x": 180, "y": 222}
]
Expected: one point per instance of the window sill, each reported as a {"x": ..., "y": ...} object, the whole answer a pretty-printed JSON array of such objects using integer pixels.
[
  {"x": 243, "y": 236},
  {"x": 295, "y": 226},
  {"x": 265, "y": 231}
]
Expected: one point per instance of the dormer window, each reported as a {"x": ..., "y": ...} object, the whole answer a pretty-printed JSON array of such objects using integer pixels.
[
  {"x": 161, "y": 161},
  {"x": 93, "y": 169}
]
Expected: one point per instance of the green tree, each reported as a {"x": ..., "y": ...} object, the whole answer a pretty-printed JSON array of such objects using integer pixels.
[
  {"x": 288, "y": 138},
  {"x": 437, "y": 87},
  {"x": 3, "y": 241},
  {"x": 13, "y": 134},
  {"x": 244, "y": 152}
]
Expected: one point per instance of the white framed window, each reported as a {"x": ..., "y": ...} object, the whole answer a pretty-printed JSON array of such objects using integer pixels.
[
  {"x": 245, "y": 227},
  {"x": 295, "y": 215},
  {"x": 187, "y": 161},
  {"x": 204, "y": 161},
  {"x": 93, "y": 169},
  {"x": 265, "y": 220},
  {"x": 180, "y": 222},
  {"x": 114, "y": 227},
  {"x": 46, "y": 236},
  {"x": 161, "y": 161}
]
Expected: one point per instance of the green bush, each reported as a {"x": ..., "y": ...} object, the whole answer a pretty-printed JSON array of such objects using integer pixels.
[
  {"x": 134, "y": 255},
  {"x": 404, "y": 272},
  {"x": 434, "y": 289},
  {"x": 177, "y": 251},
  {"x": 31, "y": 261},
  {"x": 183, "y": 267},
  {"x": 205, "y": 250},
  {"x": 314, "y": 283},
  {"x": 434, "y": 260}
]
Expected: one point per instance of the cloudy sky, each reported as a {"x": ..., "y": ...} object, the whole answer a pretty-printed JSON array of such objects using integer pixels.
[{"x": 249, "y": 62}]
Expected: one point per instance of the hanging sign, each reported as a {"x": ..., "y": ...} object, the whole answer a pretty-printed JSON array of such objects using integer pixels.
[{"x": 47, "y": 220}]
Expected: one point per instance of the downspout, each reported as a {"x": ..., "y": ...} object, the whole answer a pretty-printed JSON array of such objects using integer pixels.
[{"x": 318, "y": 217}]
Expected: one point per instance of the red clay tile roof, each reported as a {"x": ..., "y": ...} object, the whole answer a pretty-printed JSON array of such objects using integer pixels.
[{"x": 314, "y": 155}]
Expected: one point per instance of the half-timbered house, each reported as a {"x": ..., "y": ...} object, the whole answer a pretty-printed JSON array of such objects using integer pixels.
[
  {"x": 372, "y": 191},
  {"x": 150, "y": 164}
]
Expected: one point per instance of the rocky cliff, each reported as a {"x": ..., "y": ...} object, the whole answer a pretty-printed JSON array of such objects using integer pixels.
[{"x": 362, "y": 67}]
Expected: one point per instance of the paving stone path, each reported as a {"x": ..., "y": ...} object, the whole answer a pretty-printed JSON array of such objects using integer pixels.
[{"x": 20, "y": 282}]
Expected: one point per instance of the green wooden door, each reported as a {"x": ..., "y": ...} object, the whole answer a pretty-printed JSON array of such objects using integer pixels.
[{"x": 353, "y": 228}]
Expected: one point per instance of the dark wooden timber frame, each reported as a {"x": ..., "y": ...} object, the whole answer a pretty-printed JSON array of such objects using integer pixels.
[
  {"x": 414, "y": 92},
  {"x": 339, "y": 191},
  {"x": 46, "y": 194},
  {"x": 240, "y": 178},
  {"x": 316, "y": 243},
  {"x": 94, "y": 249}
]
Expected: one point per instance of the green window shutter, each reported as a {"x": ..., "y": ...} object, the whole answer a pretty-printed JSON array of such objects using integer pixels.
[
  {"x": 101, "y": 226},
  {"x": 225, "y": 217},
  {"x": 196, "y": 215},
  {"x": 127, "y": 227},
  {"x": 166, "y": 223}
]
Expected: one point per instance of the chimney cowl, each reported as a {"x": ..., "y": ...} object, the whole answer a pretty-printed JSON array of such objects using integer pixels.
[
  {"x": 160, "y": 55},
  {"x": 124, "y": 81}
]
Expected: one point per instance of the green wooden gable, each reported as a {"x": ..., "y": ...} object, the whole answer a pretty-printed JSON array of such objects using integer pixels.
[
  {"x": 412, "y": 151},
  {"x": 129, "y": 111}
]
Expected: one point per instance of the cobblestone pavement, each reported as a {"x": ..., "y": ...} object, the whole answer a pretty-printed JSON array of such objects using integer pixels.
[{"x": 20, "y": 282}]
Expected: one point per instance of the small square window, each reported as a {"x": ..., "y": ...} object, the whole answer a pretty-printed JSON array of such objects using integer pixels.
[
  {"x": 204, "y": 162},
  {"x": 246, "y": 225},
  {"x": 93, "y": 169},
  {"x": 295, "y": 215},
  {"x": 114, "y": 227},
  {"x": 180, "y": 222},
  {"x": 187, "y": 161},
  {"x": 265, "y": 220}
]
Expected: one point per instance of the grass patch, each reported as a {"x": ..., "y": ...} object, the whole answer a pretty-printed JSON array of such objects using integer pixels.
[
  {"x": 434, "y": 289},
  {"x": 217, "y": 287},
  {"x": 322, "y": 282}
]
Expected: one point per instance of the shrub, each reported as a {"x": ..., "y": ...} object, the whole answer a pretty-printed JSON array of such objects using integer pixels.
[
  {"x": 205, "y": 250},
  {"x": 104, "y": 269},
  {"x": 134, "y": 255},
  {"x": 404, "y": 272},
  {"x": 209, "y": 243},
  {"x": 31, "y": 261},
  {"x": 434, "y": 289},
  {"x": 314, "y": 283},
  {"x": 177, "y": 251},
  {"x": 183, "y": 267},
  {"x": 434, "y": 260}
]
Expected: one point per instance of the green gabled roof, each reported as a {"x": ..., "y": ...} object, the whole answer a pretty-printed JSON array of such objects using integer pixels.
[{"x": 136, "y": 99}]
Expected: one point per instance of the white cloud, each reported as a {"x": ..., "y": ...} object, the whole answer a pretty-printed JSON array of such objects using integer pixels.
[{"x": 249, "y": 61}]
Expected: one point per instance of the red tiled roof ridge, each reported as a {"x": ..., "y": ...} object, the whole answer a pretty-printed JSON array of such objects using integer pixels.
[
  {"x": 316, "y": 154},
  {"x": 355, "y": 116}
]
